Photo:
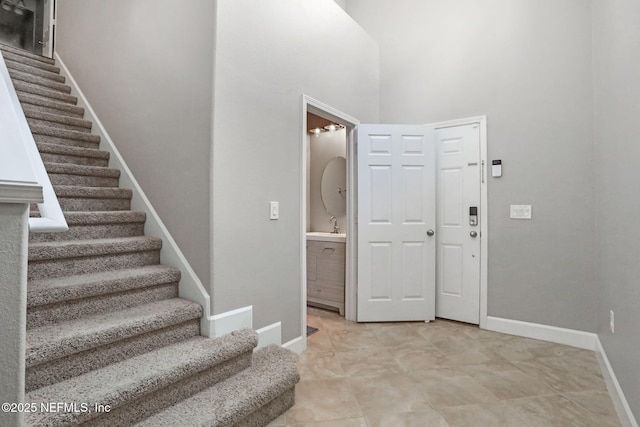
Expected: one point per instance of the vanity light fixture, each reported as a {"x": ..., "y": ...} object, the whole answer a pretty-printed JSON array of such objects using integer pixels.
[
  {"x": 334, "y": 127},
  {"x": 18, "y": 7},
  {"x": 328, "y": 128},
  {"x": 317, "y": 131}
]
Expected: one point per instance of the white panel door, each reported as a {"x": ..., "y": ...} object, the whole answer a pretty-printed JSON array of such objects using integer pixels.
[
  {"x": 458, "y": 241},
  {"x": 396, "y": 208},
  {"x": 48, "y": 25}
]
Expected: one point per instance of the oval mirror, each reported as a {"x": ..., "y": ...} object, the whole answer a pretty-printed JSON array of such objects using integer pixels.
[{"x": 333, "y": 186}]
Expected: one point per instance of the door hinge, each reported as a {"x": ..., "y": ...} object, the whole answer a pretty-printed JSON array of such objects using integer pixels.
[{"x": 482, "y": 169}]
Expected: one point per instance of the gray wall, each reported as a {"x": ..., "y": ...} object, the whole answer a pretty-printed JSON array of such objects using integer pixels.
[
  {"x": 616, "y": 26},
  {"x": 146, "y": 67},
  {"x": 267, "y": 55},
  {"x": 526, "y": 65}
]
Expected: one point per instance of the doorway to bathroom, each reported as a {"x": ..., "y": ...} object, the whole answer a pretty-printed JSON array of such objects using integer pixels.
[
  {"x": 328, "y": 234},
  {"x": 28, "y": 25}
]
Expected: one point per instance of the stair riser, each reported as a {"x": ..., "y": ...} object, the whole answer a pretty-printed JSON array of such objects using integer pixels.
[
  {"x": 85, "y": 204},
  {"x": 64, "y": 141},
  {"x": 57, "y": 125},
  {"x": 70, "y": 266},
  {"x": 147, "y": 405},
  {"x": 28, "y": 88},
  {"x": 69, "y": 310},
  {"x": 81, "y": 232},
  {"x": 76, "y": 160},
  {"x": 13, "y": 65},
  {"x": 270, "y": 411},
  {"x": 77, "y": 364},
  {"x": 82, "y": 180},
  {"x": 31, "y": 62},
  {"x": 40, "y": 81}
]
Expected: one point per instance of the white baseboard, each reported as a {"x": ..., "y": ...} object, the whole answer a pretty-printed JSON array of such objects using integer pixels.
[
  {"x": 270, "y": 334},
  {"x": 579, "y": 339},
  {"x": 229, "y": 321},
  {"x": 297, "y": 345},
  {"x": 615, "y": 391}
]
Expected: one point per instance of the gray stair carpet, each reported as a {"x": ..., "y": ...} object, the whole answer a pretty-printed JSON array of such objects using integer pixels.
[{"x": 105, "y": 325}]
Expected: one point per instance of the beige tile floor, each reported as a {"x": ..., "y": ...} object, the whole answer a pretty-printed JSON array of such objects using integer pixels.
[{"x": 442, "y": 374}]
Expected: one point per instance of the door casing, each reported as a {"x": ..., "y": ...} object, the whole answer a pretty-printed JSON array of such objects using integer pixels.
[{"x": 321, "y": 109}]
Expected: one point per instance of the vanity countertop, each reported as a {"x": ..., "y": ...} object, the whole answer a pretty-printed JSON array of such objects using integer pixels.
[{"x": 323, "y": 236}]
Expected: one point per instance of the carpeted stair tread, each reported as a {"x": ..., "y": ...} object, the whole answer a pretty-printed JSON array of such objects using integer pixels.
[
  {"x": 51, "y": 105},
  {"x": 65, "y": 134},
  {"x": 104, "y": 217},
  {"x": 44, "y": 251},
  {"x": 30, "y": 61},
  {"x": 19, "y": 66},
  {"x": 40, "y": 81},
  {"x": 34, "y": 89},
  {"x": 51, "y": 291},
  {"x": 52, "y": 342},
  {"x": 26, "y": 54},
  {"x": 81, "y": 175},
  {"x": 75, "y": 191},
  {"x": 71, "y": 169},
  {"x": 96, "y": 225},
  {"x": 65, "y": 150},
  {"x": 33, "y": 114},
  {"x": 129, "y": 381},
  {"x": 272, "y": 373}
]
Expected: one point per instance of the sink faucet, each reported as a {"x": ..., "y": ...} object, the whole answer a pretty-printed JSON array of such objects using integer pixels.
[{"x": 333, "y": 220}]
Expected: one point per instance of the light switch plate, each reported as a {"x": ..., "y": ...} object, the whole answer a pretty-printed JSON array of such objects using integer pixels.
[
  {"x": 274, "y": 212},
  {"x": 520, "y": 212}
]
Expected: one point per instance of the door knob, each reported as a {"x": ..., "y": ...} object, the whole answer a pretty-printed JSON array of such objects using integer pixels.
[
  {"x": 473, "y": 234},
  {"x": 430, "y": 232}
]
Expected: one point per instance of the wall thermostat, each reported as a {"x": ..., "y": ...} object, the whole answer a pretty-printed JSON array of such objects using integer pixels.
[{"x": 496, "y": 168}]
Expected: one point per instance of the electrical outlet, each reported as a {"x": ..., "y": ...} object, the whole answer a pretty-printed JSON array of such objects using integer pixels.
[{"x": 612, "y": 321}]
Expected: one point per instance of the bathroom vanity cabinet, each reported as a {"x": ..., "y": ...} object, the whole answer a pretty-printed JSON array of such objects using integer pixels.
[{"x": 325, "y": 270}]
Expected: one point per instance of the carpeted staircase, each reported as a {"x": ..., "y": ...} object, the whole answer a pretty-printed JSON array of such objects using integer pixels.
[{"x": 105, "y": 325}]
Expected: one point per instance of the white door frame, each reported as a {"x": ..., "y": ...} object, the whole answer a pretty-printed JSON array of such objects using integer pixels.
[
  {"x": 484, "y": 233},
  {"x": 311, "y": 105}
]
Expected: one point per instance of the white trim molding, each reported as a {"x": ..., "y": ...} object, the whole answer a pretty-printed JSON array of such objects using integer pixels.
[
  {"x": 297, "y": 345},
  {"x": 23, "y": 177},
  {"x": 270, "y": 334},
  {"x": 229, "y": 321},
  {"x": 615, "y": 391},
  {"x": 572, "y": 337},
  {"x": 311, "y": 105}
]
